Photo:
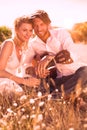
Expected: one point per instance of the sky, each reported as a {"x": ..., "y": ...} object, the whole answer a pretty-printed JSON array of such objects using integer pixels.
[{"x": 63, "y": 13}]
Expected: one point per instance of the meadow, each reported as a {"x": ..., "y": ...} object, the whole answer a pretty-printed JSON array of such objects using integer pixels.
[{"x": 37, "y": 111}]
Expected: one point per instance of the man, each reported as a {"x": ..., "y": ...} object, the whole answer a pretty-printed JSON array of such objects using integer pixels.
[{"x": 52, "y": 41}]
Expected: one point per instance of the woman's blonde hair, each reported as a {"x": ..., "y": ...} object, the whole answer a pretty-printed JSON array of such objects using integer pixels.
[{"x": 23, "y": 19}]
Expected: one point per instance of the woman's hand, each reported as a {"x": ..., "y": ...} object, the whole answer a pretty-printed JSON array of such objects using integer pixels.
[{"x": 31, "y": 82}]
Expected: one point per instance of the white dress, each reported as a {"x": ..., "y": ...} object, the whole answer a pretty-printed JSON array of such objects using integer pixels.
[{"x": 16, "y": 67}]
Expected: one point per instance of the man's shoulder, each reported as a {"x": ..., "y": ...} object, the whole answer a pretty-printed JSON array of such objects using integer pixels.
[{"x": 58, "y": 31}]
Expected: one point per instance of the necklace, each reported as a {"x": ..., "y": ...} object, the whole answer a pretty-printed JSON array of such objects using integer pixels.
[
  {"x": 20, "y": 44},
  {"x": 20, "y": 47},
  {"x": 20, "y": 52}
]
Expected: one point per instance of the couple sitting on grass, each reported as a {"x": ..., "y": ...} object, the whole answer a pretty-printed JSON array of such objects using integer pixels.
[{"x": 23, "y": 52}]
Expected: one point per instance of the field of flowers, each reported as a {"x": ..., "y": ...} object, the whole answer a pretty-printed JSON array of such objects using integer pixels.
[{"x": 37, "y": 111}]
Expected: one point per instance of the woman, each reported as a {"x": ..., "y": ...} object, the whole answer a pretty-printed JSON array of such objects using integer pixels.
[{"x": 15, "y": 56}]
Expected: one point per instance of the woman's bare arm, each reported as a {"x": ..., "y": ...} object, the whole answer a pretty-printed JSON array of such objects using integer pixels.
[{"x": 4, "y": 56}]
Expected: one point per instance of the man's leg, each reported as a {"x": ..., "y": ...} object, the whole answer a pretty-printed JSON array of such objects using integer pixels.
[{"x": 70, "y": 82}]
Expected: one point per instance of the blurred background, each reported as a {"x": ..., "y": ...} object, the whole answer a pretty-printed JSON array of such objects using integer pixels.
[{"x": 63, "y": 13}]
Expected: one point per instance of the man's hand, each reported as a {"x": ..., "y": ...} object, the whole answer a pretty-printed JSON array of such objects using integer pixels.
[
  {"x": 42, "y": 69},
  {"x": 63, "y": 57}
]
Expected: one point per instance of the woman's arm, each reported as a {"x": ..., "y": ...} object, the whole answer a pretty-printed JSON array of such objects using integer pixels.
[
  {"x": 6, "y": 51},
  {"x": 31, "y": 82},
  {"x": 4, "y": 56}
]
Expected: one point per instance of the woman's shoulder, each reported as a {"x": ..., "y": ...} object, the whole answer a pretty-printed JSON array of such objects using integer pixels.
[{"x": 7, "y": 42}]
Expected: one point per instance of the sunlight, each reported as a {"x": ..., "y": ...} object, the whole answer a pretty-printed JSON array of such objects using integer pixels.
[{"x": 68, "y": 23}]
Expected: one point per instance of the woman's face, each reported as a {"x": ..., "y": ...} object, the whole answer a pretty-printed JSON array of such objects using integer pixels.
[{"x": 24, "y": 32}]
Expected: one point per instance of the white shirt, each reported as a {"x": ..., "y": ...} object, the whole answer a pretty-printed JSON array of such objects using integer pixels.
[{"x": 60, "y": 39}]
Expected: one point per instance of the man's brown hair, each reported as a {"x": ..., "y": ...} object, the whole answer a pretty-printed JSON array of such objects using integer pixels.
[{"x": 42, "y": 15}]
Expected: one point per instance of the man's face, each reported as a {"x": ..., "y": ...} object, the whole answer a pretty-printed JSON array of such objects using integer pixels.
[{"x": 40, "y": 28}]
